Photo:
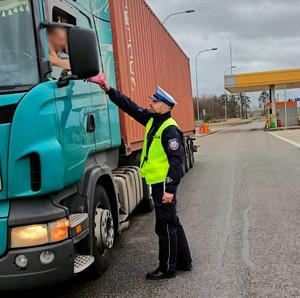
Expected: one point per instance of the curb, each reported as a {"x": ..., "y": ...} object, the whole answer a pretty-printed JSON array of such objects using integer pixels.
[
  {"x": 199, "y": 136},
  {"x": 283, "y": 128}
]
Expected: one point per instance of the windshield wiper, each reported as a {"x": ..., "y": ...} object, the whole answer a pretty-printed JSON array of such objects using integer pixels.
[
  {"x": 14, "y": 88},
  {"x": 8, "y": 87}
]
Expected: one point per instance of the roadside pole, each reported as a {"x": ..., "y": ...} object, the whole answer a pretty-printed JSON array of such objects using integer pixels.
[
  {"x": 240, "y": 107},
  {"x": 285, "y": 109}
]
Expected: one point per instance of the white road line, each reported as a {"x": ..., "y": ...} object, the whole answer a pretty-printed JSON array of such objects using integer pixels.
[
  {"x": 226, "y": 234},
  {"x": 169, "y": 248},
  {"x": 244, "y": 165},
  {"x": 284, "y": 139},
  {"x": 246, "y": 244}
]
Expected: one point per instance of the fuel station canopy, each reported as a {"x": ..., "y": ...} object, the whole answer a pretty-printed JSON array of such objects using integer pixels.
[{"x": 260, "y": 81}]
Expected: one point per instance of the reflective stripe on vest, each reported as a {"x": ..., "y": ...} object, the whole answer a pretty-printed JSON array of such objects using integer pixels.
[{"x": 155, "y": 166}]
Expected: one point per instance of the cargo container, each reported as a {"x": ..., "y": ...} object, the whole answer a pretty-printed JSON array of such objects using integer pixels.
[
  {"x": 146, "y": 55},
  {"x": 69, "y": 176}
]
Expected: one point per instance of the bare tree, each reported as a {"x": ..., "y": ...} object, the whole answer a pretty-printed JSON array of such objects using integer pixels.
[{"x": 215, "y": 106}]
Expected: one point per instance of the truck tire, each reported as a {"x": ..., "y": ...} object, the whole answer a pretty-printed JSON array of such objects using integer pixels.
[
  {"x": 186, "y": 157},
  {"x": 192, "y": 157},
  {"x": 147, "y": 203},
  {"x": 146, "y": 206},
  {"x": 102, "y": 232},
  {"x": 183, "y": 165}
]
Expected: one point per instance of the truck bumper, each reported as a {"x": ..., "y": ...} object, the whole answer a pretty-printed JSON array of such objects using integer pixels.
[{"x": 36, "y": 274}]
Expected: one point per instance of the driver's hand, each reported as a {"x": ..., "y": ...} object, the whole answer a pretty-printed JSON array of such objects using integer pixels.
[{"x": 64, "y": 73}]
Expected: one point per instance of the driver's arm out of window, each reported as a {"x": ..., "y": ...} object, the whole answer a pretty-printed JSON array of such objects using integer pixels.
[{"x": 59, "y": 62}]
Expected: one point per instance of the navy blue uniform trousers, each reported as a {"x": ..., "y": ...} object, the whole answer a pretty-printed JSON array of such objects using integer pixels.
[{"x": 173, "y": 245}]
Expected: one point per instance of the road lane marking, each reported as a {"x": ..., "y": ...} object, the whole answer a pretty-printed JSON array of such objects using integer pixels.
[
  {"x": 246, "y": 243},
  {"x": 226, "y": 234},
  {"x": 244, "y": 165},
  {"x": 284, "y": 139}
]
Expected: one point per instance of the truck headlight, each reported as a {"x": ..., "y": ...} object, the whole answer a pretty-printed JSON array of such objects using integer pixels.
[
  {"x": 39, "y": 234},
  {"x": 32, "y": 235}
]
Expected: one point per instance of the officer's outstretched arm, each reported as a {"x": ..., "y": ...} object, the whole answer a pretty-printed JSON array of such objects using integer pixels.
[
  {"x": 138, "y": 113},
  {"x": 172, "y": 143},
  {"x": 123, "y": 102}
]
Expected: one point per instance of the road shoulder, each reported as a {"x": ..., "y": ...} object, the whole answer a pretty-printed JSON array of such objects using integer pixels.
[{"x": 290, "y": 136}]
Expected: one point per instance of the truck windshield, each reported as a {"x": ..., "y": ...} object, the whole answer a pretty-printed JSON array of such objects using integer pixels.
[{"x": 18, "y": 54}]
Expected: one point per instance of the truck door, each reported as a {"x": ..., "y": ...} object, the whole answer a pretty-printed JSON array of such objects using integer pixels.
[
  {"x": 75, "y": 115},
  {"x": 109, "y": 130},
  {"x": 99, "y": 98}
]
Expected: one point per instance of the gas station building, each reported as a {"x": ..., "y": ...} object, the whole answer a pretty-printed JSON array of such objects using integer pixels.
[{"x": 266, "y": 80}]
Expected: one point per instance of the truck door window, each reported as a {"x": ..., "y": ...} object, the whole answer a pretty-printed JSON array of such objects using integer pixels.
[
  {"x": 60, "y": 16},
  {"x": 58, "y": 47},
  {"x": 59, "y": 12}
]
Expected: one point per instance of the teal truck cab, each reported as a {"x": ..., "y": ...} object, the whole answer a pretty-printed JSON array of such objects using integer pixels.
[
  {"x": 60, "y": 139},
  {"x": 66, "y": 189}
]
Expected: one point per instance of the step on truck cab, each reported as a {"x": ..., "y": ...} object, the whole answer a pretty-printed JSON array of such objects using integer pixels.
[{"x": 66, "y": 185}]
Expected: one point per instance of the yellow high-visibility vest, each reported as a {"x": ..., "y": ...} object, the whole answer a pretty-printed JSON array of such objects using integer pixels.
[{"x": 154, "y": 166}]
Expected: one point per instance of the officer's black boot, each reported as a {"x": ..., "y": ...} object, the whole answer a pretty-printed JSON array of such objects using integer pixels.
[
  {"x": 158, "y": 274},
  {"x": 184, "y": 267}
]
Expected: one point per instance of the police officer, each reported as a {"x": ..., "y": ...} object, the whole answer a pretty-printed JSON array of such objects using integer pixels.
[{"x": 161, "y": 166}]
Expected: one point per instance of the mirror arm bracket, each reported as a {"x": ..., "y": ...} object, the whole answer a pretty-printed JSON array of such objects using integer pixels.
[{"x": 65, "y": 80}]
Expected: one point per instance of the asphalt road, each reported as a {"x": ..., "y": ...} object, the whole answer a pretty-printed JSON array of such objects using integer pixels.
[{"x": 240, "y": 206}]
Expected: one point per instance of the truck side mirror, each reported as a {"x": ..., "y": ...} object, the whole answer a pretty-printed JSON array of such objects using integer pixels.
[{"x": 83, "y": 52}]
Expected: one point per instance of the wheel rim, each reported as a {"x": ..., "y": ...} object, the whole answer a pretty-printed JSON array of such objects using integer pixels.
[{"x": 104, "y": 229}]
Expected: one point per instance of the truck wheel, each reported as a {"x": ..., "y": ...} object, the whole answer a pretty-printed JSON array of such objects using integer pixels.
[
  {"x": 183, "y": 164},
  {"x": 186, "y": 157},
  {"x": 147, "y": 204},
  {"x": 102, "y": 232},
  {"x": 192, "y": 158}
]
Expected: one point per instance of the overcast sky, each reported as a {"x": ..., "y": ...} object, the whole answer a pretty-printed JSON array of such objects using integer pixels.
[{"x": 265, "y": 35}]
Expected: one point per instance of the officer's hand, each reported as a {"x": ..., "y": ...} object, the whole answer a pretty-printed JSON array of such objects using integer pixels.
[
  {"x": 100, "y": 80},
  {"x": 168, "y": 198}
]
